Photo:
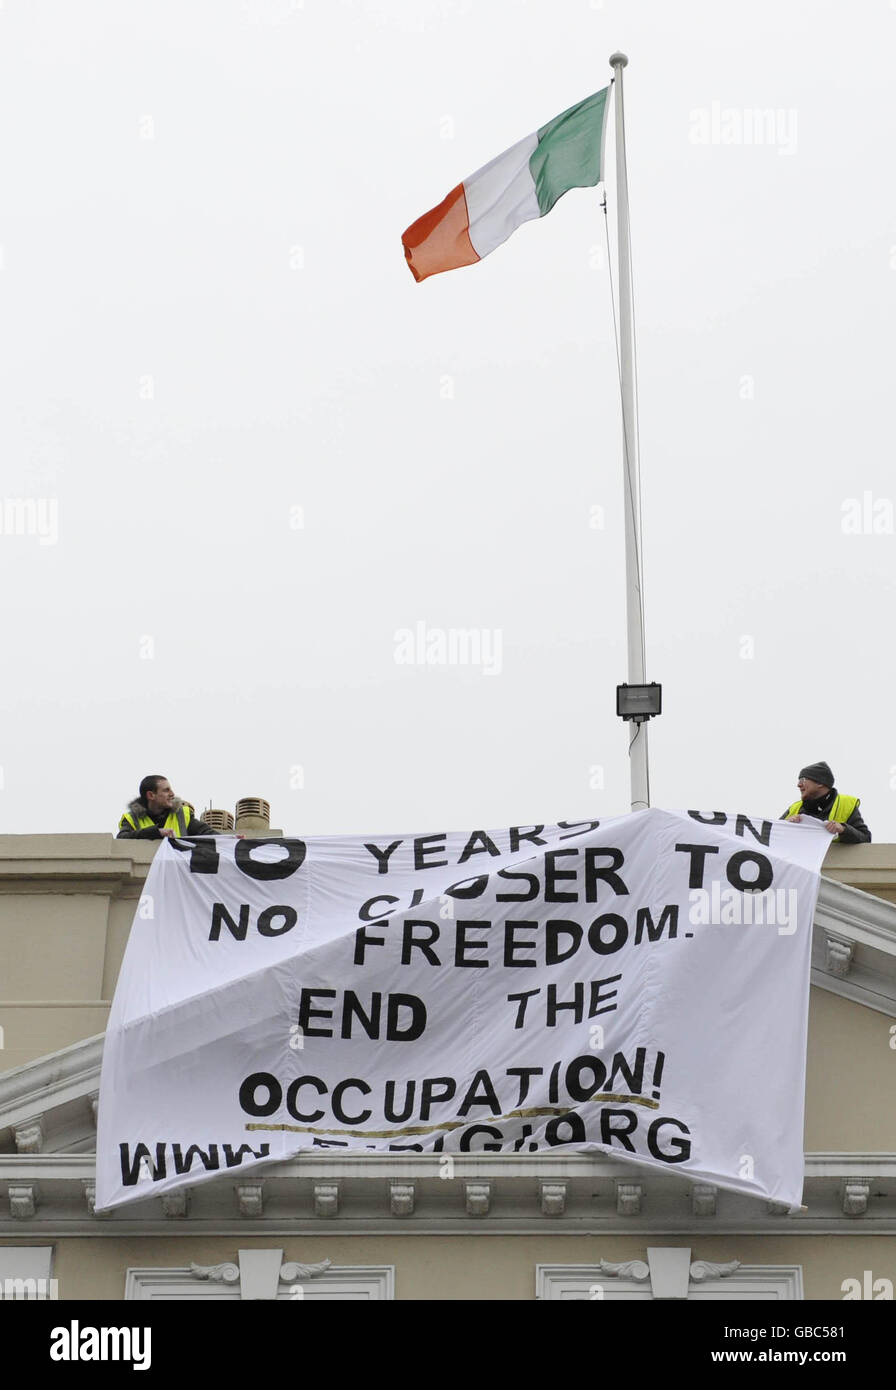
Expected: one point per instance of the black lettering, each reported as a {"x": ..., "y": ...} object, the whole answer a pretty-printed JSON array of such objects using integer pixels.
[
  {"x": 409, "y": 941},
  {"x": 184, "y": 1162},
  {"x": 576, "y": 1087},
  {"x": 521, "y": 1011},
  {"x": 553, "y": 930},
  {"x": 607, "y": 872},
  {"x": 709, "y": 817},
  {"x": 267, "y": 918},
  {"x": 468, "y": 887},
  {"x": 203, "y": 852},
  {"x": 292, "y": 1097},
  {"x": 698, "y": 855},
  {"x": 130, "y": 1167},
  {"x": 525, "y": 1074},
  {"x": 234, "y": 1157},
  {"x": 392, "y": 1114},
  {"x": 220, "y": 916},
  {"x": 466, "y": 1139},
  {"x": 264, "y": 872},
  {"x": 428, "y": 1096},
  {"x": 512, "y": 946},
  {"x": 248, "y": 1101},
  {"x": 763, "y": 834},
  {"x": 417, "y": 1023},
  {"x": 576, "y": 1004},
  {"x": 679, "y": 1149},
  {"x": 382, "y": 855},
  {"x": 480, "y": 1092},
  {"x": 363, "y": 940},
  {"x": 366, "y": 914},
  {"x": 609, "y": 1131},
  {"x": 478, "y": 843},
  {"x": 633, "y": 1077},
  {"x": 336, "y": 1101},
  {"x": 644, "y": 922},
  {"x": 518, "y": 834},
  {"x": 616, "y": 924},
  {"x": 574, "y": 1123},
  {"x": 598, "y": 997},
  {"x": 462, "y": 946},
  {"x": 764, "y": 872},
  {"x": 553, "y": 894},
  {"x": 578, "y": 827},
  {"x": 307, "y": 1011},
  {"x": 526, "y": 897},
  {"x": 352, "y": 1006},
  {"x": 426, "y": 845}
]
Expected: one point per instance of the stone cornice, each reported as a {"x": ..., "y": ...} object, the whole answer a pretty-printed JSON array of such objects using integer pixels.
[
  {"x": 845, "y": 1194},
  {"x": 854, "y": 946}
]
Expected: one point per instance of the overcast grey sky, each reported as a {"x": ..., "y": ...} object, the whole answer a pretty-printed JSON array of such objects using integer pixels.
[{"x": 256, "y": 450}]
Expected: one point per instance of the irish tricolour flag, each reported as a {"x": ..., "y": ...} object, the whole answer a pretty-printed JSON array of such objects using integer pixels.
[{"x": 523, "y": 182}]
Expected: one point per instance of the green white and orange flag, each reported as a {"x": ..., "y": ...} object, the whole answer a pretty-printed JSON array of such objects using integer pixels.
[{"x": 523, "y": 182}]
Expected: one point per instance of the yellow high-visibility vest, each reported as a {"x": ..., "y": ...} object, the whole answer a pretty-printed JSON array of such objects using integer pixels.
[
  {"x": 840, "y": 812},
  {"x": 175, "y": 820}
]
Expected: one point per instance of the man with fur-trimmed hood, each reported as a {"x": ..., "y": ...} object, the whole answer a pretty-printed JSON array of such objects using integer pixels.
[{"x": 157, "y": 814}]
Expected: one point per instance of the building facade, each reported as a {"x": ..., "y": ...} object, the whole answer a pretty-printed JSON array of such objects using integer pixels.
[{"x": 467, "y": 1226}]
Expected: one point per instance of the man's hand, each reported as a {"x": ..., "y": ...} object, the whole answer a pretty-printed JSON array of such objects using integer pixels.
[
  {"x": 166, "y": 832},
  {"x": 834, "y": 827},
  {"x": 797, "y": 817}
]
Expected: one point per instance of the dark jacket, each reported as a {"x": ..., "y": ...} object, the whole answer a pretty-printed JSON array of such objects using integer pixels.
[
  {"x": 855, "y": 832},
  {"x": 152, "y": 832}
]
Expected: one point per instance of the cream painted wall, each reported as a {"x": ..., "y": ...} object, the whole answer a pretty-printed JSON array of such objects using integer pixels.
[{"x": 469, "y": 1267}]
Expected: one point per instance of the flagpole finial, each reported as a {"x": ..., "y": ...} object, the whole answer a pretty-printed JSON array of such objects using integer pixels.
[{"x": 619, "y": 60}]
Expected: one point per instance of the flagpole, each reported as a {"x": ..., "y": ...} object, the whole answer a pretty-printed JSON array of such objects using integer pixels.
[{"x": 634, "y": 600}]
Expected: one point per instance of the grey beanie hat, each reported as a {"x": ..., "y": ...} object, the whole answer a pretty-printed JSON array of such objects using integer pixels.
[{"x": 818, "y": 772}]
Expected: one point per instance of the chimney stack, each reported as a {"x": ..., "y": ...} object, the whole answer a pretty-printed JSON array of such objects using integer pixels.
[{"x": 253, "y": 816}]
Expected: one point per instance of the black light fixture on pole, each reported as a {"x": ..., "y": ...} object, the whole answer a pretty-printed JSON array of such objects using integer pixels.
[{"x": 639, "y": 702}]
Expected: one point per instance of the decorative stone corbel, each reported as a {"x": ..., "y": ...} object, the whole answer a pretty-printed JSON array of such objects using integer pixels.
[
  {"x": 175, "y": 1204},
  {"x": 217, "y": 1274},
  {"x": 478, "y": 1198},
  {"x": 94, "y": 1101},
  {"x": 628, "y": 1198},
  {"x": 292, "y": 1272},
  {"x": 856, "y": 1192},
  {"x": 701, "y": 1270},
  {"x": 628, "y": 1269},
  {"x": 839, "y": 952},
  {"x": 401, "y": 1198},
  {"x": 29, "y": 1136},
  {"x": 251, "y": 1199},
  {"x": 553, "y": 1198},
  {"x": 704, "y": 1199},
  {"x": 326, "y": 1199},
  {"x": 23, "y": 1199},
  {"x": 88, "y": 1187}
]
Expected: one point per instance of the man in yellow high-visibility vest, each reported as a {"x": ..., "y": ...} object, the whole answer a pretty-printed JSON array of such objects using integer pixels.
[
  {"x": 820, "y": 799},
  {"x": 157, "y": 814}
]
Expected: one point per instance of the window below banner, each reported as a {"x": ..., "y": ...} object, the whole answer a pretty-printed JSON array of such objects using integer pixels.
[
  {"x": 25, "y": 1273},
  {"x": 670, "y": 1274},
  {"x": 262, "y": 1275}
]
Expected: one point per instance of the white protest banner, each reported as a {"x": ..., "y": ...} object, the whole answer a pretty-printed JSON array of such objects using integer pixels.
[{"x": 637, "y": 987}]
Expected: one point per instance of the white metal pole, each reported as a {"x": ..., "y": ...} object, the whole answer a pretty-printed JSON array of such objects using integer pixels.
[{"x": 640, "y": 795}]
